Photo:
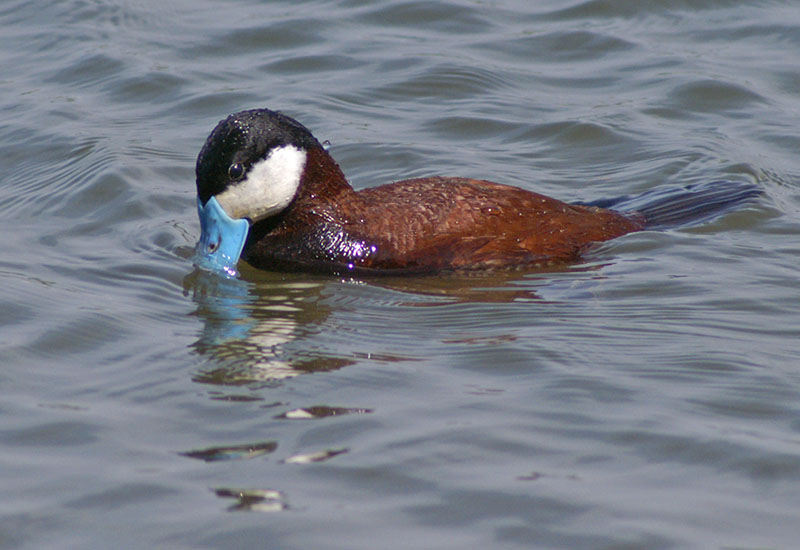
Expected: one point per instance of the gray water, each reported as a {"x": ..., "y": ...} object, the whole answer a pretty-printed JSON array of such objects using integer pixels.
[{"x": 646, "y": 399}]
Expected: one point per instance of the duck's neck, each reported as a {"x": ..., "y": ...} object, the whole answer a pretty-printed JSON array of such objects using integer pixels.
[{"x": 323, "y": 180}]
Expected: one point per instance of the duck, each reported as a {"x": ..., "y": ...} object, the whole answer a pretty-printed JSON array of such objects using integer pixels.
[{"x": 270, "y": 194}]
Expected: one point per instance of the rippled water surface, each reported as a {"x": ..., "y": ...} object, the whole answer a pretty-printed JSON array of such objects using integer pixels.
[{"x": 646, "y": 399}]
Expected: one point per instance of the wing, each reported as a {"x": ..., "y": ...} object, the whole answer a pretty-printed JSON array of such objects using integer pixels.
[{"x": 464, "y": 223}]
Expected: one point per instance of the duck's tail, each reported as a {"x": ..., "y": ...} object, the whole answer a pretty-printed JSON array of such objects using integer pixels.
[{"x": 683, "y": 206}]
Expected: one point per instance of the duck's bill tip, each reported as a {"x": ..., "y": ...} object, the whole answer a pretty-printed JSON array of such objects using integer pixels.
[{"x": 221, "y": 239}]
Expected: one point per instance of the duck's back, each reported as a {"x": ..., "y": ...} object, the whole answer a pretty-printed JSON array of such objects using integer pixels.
[{"x": 462, "y": 223}]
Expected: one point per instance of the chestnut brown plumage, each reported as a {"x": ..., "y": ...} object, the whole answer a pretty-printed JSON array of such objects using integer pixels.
[{"x": 419, "y": 225}]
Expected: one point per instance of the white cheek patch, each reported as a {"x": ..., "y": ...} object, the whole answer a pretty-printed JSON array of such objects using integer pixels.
[{"x": 268, "y": 188}]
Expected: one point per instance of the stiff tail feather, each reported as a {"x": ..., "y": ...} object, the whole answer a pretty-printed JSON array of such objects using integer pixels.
[{"x": 684, "y": 206}]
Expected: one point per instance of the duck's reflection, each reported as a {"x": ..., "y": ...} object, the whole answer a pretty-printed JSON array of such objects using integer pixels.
[
  {"x": 263, "y": 327},
  {"x": 248, "y": 327}
]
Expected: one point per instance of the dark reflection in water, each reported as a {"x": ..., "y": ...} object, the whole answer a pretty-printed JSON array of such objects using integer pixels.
[
  {"x": 256, "y": 500},
  {"x": 485, "y": 287},
  {"x": 233, "y": 452}
]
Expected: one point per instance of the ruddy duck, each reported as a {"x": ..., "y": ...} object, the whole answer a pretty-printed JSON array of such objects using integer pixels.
[{"x": 270, "y": 193}]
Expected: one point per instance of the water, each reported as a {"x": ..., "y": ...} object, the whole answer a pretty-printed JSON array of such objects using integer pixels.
[{"x": 645, "y": 399}]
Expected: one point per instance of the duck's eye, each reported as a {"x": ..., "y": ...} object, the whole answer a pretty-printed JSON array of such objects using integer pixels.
[{"x": 235, "y": 171}]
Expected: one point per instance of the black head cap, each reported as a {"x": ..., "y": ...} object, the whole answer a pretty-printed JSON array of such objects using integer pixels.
[{"x": 242, "y": 139}]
